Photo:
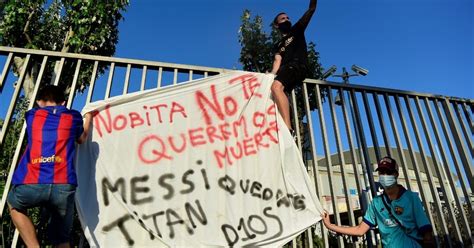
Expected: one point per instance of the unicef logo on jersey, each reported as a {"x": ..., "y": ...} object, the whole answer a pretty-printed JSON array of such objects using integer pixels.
[
  {"x": 390, "y": 223},
  {"x": 54, "y": 158}
]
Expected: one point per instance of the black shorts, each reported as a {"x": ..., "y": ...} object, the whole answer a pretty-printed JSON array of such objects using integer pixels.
[{"x": 291, "y": 75}]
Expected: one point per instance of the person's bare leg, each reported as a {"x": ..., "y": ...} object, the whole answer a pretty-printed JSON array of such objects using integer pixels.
[
  {"x": 25, "y": 227},
  {"x": 282, "y": 102}
]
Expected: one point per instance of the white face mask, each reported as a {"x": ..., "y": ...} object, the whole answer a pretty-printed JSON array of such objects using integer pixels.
[{"x": 387, "y": 180}]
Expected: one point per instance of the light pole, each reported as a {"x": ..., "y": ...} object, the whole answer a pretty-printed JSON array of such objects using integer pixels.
[{"x": 359, "y": 71}]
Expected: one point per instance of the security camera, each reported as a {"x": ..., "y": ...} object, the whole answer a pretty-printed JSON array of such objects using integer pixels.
[
  {"x": 329, "y": 72},
  {"x": 360, "y": 70}
]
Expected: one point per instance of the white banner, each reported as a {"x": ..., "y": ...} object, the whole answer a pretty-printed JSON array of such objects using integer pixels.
[{"x": 205, "y": 163}]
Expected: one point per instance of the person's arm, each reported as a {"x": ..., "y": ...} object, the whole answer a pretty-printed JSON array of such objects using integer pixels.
[
  {"x": 359, "y": 230},
  {"x": 304, "y": 20},
  {"x": 428, "y": 239},
  {"x": 424, "y": 226},
  {"x": 87, "y": 124},
  {"x": 276, "y": 64}
]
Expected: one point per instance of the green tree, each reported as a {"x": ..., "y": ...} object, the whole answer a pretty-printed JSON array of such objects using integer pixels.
[
  {"x": 11, "y": 138},
  {"x": 257, "y": 55},
  {"x": 76, "y": 26},
  {"x": 256, "y": 52},
  {"x": 6, "y": 156}
]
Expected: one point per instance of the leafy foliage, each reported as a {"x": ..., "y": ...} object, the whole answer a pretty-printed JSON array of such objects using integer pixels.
[
  {"x": 466, "y": 239},
  {"x": 11, "y": 137},
  {"x": 87, "y": 27},
  {"x": 74, "y": 26},
  {"x": 6, "y": 156},
  {"x": 256, "y": 52}
]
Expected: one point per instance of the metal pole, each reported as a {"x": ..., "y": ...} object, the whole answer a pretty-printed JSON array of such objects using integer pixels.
[{"x": 367, "y": 165}]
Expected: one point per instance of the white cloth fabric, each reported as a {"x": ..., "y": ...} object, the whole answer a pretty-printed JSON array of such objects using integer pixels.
[{"x": 204, "y": 163}]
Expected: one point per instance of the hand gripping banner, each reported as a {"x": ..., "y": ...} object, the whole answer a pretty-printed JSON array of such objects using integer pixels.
[{"x": 204, "y": 163}]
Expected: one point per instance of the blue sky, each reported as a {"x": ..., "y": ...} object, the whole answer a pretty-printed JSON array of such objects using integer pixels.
[{"x": 418, "y": 45}]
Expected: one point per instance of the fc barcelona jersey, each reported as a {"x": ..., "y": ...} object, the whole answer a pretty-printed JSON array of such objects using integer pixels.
[{"x": 49, "y": 156}]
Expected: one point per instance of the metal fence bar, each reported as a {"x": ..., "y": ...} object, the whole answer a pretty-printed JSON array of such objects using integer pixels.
[
  {"x": 340, "y": 152},
  {"x": 109, "y": 80},
  {"x": 466, "y": 114},
  {"x": 298, "y": 142},
  {"x": 449, "y": 142},
  {"x": 369, "y": 89},
  {"x": 206, "y": 70},
  {"x": 449, "y": 176},
  {"x": 416, "y": 168},
  {"x": 428, "y": 172},
  {"x": 135, "y": 62},
  {"x": 294, "y": 242},
  {"x": 69, "y": 104},
  {"x": 20, "y": 139},
  {"x": 295, "y": 120},
  {"x": 451, "y": 165},
  {"x": 309, "y": 234},
  {"x": 92, "y": 82},
  {"x": 363, "y": 201},
  {"x": 15, "y": 238},
  {"x": 467, "y": 136},
  {"x": 127, "y": 79},
  {"x": 5, "y": 70},
  {"x": 329, "y": 161},
  {"x": 373, "y": 134},
  {"x": 175, "y": 76},
  {"x": 160, "y": 75},
  {"x": 361, "y": 149},
  {"x": 366, "y": 166},
  {"x": 16, "y": 93},
  {"x": 142, "y": 83},
  {"x": 350, "y": 139},
  {"x": 360, "y": 130},
  {"x": 18, "y": 148},
  {"x": 59, "y": 70},
  {"x": 462, "y": 150},
  {"x": 315, "y": 168},
  {"x": 74, "y": 83},
  {"x": 404, "y": 163},
  {"x": 441, "y": 180},
  {"x": 386, "y": 139},
  {"x": 366, "y": 156}
]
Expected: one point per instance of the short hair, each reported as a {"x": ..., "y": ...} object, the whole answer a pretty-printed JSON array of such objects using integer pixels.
[
  {"x": 51, "y": 93},
  {"x": 275, "y": 20}
]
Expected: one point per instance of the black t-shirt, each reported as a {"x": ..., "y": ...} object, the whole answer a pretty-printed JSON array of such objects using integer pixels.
[{"x": 292, "y": 47}]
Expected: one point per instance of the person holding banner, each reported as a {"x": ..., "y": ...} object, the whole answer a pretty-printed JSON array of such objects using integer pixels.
[
  {"x": 290, "y": 63},
  {"x": 398, "y": 213},
  {"x": 45, "y": 175}
]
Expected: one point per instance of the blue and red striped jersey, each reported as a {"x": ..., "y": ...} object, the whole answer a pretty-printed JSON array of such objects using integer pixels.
[{"x": 49, "y": 155}]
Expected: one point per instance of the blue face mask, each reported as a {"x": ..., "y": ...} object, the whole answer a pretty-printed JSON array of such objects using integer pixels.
[{"x": 387, "y": 180}]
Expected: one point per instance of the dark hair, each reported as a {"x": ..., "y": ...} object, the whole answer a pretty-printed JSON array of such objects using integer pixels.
[
  {"x": 275, "y": 20},
  {"x": 51, "y": 93}
]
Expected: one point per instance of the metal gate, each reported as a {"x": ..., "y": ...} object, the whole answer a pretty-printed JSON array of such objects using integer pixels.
[{"x": 343, "y": 130}]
